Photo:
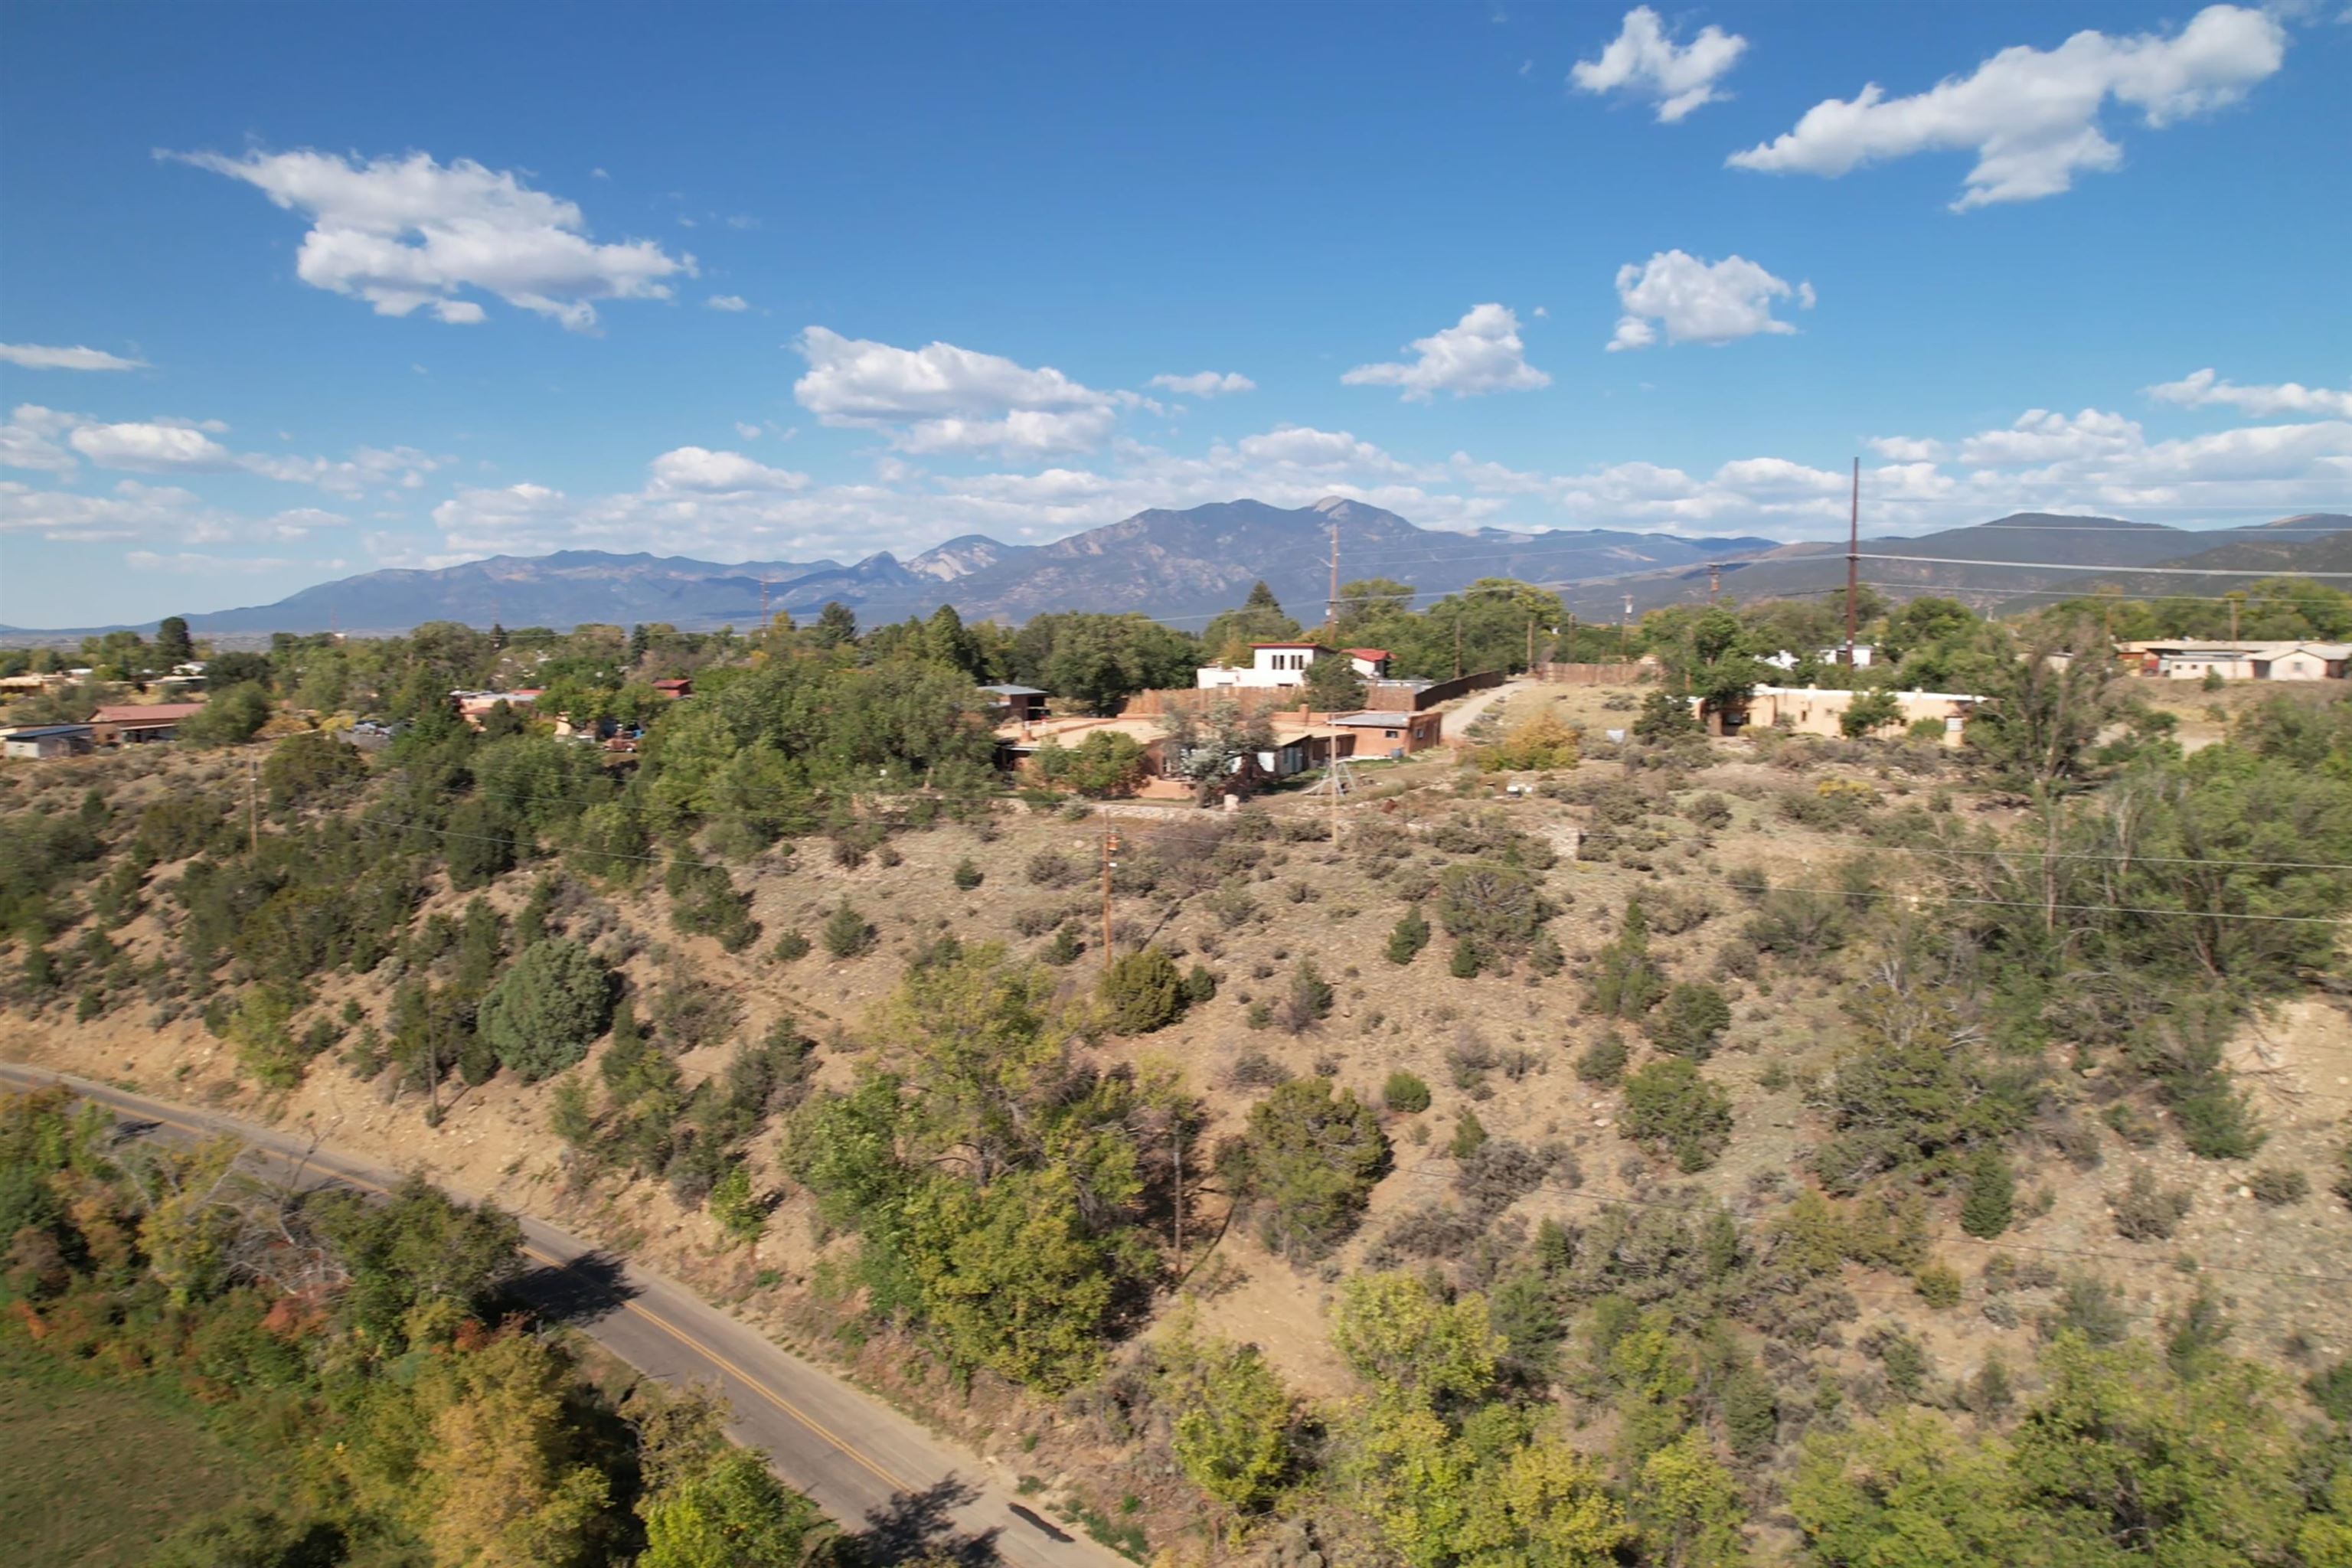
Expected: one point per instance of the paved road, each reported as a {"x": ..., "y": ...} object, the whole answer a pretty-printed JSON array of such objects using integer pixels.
[{"x": 866, "y": 1465}]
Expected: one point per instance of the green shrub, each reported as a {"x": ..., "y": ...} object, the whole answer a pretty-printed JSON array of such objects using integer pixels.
[
  {"x": 1666, "y": 717},
  {"x": 1602, "y": 1063},
  {"x": 1200, "y": 985},
  {"x": 1467, "y": 963},
  {"x": 1408, "y": 937},
  {"x": 1065, "y": 947},
  {"x": 2147, "y": 1211},
  {"x": 551, "y": 1002},
  {"x": 1992, "y": 1200},
  {"x": 740, "y": 1213},
  {"x": 1501, "y": 908},
  {"x": 1691, "y": 1021},
  {"x": 790, "y": 946},
  {"x": 1670, "y": 1107},
  {"x": 846, "y": 934},
  {"x": 1938, "y": 1285},
  {"x": 705, "y": 901},
  {"x": 2331, "y": 1389},
  {"x": 2279, "y": 1185},
  {"x": 968, "y": 875},
  {"x": 1405, "y": 1092},
  {"x": 1626, "y": 983},
  {"x": 1142, "y": 991},
  {"x": 1308, "y": 1163},
  {"x": 1469, "y": 1135},
  {"x": 1308, "y": 1001}
]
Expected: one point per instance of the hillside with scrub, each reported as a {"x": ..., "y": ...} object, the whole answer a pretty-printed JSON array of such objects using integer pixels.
[{"x": 1562, "y": 1149}]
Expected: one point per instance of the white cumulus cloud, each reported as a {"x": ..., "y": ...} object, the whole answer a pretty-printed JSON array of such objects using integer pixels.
[
  {"x": 1642, "y": 59},
  {"x": 942, "y": 398},
  {"x": 151, "y": 448},
  {"x": 1906, "y": 448},
  {"x": 1482, "y": 352},
  {"x": 2032, "y": 116},
  {"x": 411, "y": 233},
  {"x": 2202, "y": 388},
  {"x": 730, "y": 302},
  {"x": 1205, "y": 384},
  {"x": 36, "y": 356},
  {"x": 699, "y": 468},
  {"x": 1697, "y": 302}
]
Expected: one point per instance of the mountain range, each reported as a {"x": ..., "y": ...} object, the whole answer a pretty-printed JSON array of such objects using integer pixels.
[
  {"x": 2010, "y": 562},
  {"x": 1184, "y": 566},
  {"x": 1179, "y": 566}
]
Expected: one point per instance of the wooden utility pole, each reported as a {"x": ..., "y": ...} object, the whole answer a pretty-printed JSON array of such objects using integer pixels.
[
  {"x": 1531, "y": 645},
  {"x": 2234, "y": 601},
  {"x": 1176, "y": 1137},
  {"x": 1853, "y": 562},
  {"x": 1624, "y": 629},
  {"x": 1457, "y": 642},
  {"x": 1110, "y": 849},
  {"x": 252, "y": 807},
  {"x": 1714, "y": 581}
]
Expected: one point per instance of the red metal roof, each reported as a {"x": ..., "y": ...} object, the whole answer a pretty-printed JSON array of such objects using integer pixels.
[
  {"x": 1286, "y": 645},
  {"x": 1377, "y": 655}
]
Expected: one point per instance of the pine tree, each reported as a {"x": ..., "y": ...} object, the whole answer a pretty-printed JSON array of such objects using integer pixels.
[
  {"x": 1409, "y": 937},
  {"x": 1467, "y": 960},
  {"x": 1991, "y": 1201}
]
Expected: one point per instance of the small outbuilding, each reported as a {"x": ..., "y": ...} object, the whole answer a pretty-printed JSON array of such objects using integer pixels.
[
  {"x": 46, "y": 740},
  {"x": 1016, "y": 704}
]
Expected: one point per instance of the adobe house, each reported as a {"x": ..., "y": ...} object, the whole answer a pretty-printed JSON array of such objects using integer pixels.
[{"x": 1390, "y": 732}]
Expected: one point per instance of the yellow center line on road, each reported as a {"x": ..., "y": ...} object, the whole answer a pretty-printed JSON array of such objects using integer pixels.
[{"x": 684, "y": 1338}]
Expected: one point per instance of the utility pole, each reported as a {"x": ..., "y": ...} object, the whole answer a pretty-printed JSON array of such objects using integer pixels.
[
  {"x": 1714, "y": 581},
  {"x": 252, "y": 808},
  {"x": 1331, "y": 605},
  {"x": 1110, "y": 849},
  {"x": 1531, "y": 645},
  {"x": 764, "y": 606},
  {"x": 1457, "y": 642},
  {"x": 1853, "y": 562},
  {"x": 2234, "y": 601},
  {"x": 1176, "y": 1137},
  {"x": 1624, "y": 629}
]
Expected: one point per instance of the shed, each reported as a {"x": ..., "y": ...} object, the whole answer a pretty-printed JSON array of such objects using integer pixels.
[
  {"x": 1021, "y": 704},
  {"x": 46, "y": 740}
]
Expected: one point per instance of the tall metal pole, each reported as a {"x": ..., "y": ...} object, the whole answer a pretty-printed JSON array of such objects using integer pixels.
[
  {"x": 1853, "y": 561},
  {"x": 1331, "y": 605}
]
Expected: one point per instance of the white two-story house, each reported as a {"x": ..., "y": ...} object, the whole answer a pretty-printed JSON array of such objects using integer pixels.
[{"x": 1284, "y": 663}]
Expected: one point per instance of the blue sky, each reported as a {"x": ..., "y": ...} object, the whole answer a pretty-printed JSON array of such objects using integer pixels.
[{"x": 289, "y": 292}]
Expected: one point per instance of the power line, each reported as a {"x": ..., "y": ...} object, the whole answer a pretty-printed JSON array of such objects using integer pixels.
[{"x": 2142, "y": 571}]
